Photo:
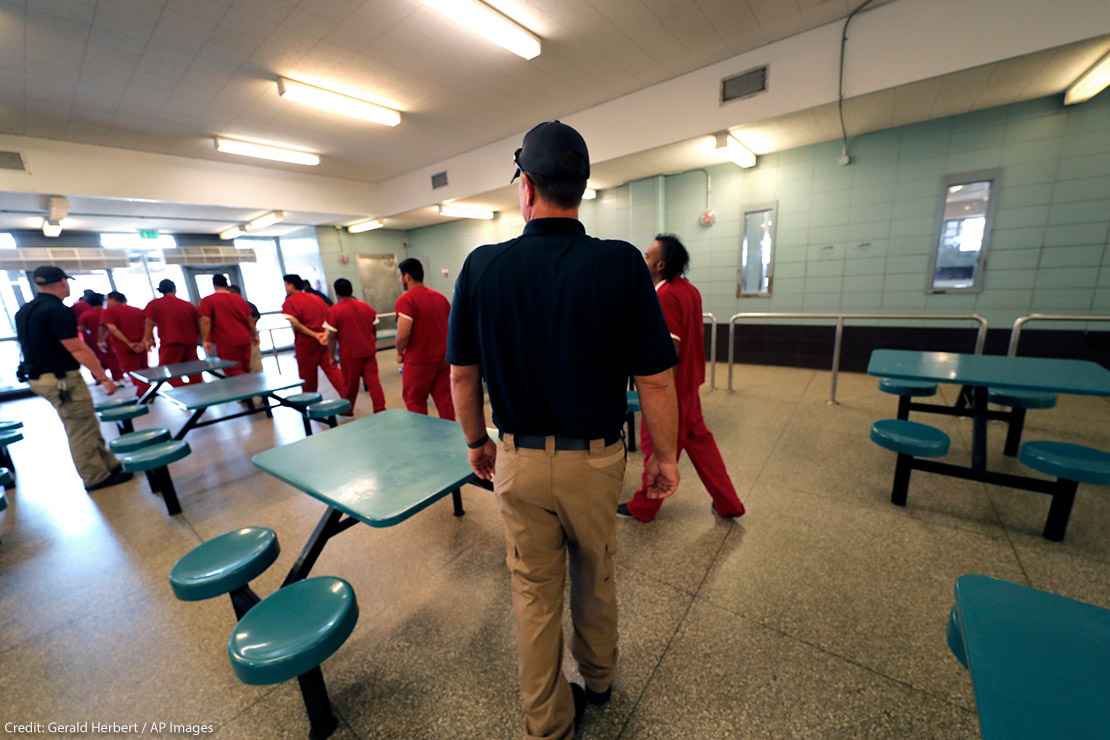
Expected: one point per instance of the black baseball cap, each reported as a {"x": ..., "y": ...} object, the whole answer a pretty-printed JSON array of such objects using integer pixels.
[
  {"x": 48, "y": 274},
  {"x": 166, "y": 286},
  {"x": 553, "y": 149}
]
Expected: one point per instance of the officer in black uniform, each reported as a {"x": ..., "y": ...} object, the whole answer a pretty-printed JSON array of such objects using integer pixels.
[
  {"x": 556, "y": 321},
  {"x": 52, "y": 356}
]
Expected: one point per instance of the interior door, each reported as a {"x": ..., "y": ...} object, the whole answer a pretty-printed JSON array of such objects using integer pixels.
[{"x": 198, "y": 280}]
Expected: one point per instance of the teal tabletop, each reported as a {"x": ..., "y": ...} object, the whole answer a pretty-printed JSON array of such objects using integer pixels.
[
  {"x": 235, "y": 388},
  {"x": 380, "y": 469},
  {"x": 1039, "y": 663},
  {"x": 181, "y": 369},
  {"x": 1078, "y": 377}
]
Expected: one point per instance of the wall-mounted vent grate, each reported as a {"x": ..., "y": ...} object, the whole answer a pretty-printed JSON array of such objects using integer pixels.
[
  {"x": 11, "y": 161},
  {"x": 439, "y": 180},
  {"x": 744, "y": 85},
  {"x": 208, "y": 255},
  {"x": 75, "y": 259}
]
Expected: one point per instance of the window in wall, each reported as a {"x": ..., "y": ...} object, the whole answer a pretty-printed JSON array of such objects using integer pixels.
[
  {"x": 15, "y": 290},
  {"x": 301, "y": 255},
  {"x": 964, "y": 232},
  {"x": 757, "y": 251},
  {"x": 96, "y": 280},
  {"x": 262, "y": 279},
  {"x": 135, "y": 242},
  {"x": 7, "y": 241},
  {"x": 134, "y": 283},
  {"x": 159, "y": 271}
]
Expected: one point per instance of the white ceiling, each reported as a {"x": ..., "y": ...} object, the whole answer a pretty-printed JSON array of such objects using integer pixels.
[{"x": 166, "y": 75}]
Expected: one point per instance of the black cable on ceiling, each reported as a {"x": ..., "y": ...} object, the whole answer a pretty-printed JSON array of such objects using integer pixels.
[{"x": 840, "y": 91}]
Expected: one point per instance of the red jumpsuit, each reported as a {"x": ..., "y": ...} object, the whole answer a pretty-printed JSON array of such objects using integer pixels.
[
  {"x": 177, "y": 322},
  {"x": 89, "y": 324},
  {"x": 681, "y": 304},
  {"x": 131, "y": 322},
  {"x": 353, "y": 322},
  {"x": 312, "y": 356},
  {"x": 231, "y": 330},
  {"x": 426, "y": 372}
]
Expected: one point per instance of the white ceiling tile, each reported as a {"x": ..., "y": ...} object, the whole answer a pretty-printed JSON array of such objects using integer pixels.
[
  {"x": 182, "y": 32},
  {"x": 212, "y": 10},
  {"x": 74, "y": 10}
]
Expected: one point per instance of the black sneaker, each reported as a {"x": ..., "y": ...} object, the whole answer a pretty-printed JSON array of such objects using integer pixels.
[
  {"x": 579, "y": 694},
  {"x": 598, "y": 698},
  {"x": 622, "y": 511},
  {"x": 114, "y": 478}
]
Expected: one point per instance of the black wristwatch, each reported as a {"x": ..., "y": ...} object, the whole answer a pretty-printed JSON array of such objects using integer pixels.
[{"x": 480, "y": 442}]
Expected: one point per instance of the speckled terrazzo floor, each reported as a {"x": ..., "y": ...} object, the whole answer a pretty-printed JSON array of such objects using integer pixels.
[{"x": 820, "y": 614}]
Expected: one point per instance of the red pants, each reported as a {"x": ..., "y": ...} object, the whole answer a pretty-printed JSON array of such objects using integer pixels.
[
  {"x": 696, "y": 439},
  {"x": 109, "y": 363},
  {"x": 240, "y": 353},
  {"x": 169, "y": 354},
  {"x": 134, "y": 361},
  {"x": 357, "y": 369},
  {"x": 420, "y": 381},
  {"x": 313, "y": 357}
]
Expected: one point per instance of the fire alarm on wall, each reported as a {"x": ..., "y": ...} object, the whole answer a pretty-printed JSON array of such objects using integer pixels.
[
  {"x": 708, "y": 218},
  {"x": 344, "y": 259}
]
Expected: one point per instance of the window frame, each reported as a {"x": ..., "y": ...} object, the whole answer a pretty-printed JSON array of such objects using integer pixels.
[
  {"x": 773, "y": 207},
  {"x": 994, "y": 177}
]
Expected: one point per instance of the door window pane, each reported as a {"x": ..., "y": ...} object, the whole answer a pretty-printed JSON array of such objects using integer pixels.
[
  {"x": 133, "y": 282},
  {"x": 963, "y": 235},
  {"x": 262, "y": 279},
  {"x": 757, "y": 245},
  {"x": 302, "y": 256}
]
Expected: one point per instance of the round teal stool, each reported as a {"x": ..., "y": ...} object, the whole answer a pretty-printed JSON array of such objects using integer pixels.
[
  {"x": 138, "y": 440},
  {"x": 909, "y": 439},
  {"x": 303, "y": 400},
  {"x": 122, "y": 416},
  {"x": 327, "y": 411},
  {"x": 906, "y": 390},
  {"x": 1071, "y": 464},
  {"x": 1019, "y": 402},
  {"x": 9, "y": 437},
  {"x": 226, "y": 565},
  {"x": 290, "y": 633},
  {"x": 154, "y": 460},
  {"x": 114, "y": 402}
]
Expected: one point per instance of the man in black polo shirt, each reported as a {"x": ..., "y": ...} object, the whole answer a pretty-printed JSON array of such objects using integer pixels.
[
  {"x": 555, "y": 322},
  {"x": 52, "y": 357}
]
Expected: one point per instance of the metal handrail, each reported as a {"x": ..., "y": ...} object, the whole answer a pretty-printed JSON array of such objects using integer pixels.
[
  {"x": 1015, "y": 331},
  {"x": 712, "y": 348},
  {"x": 272, "y": 329},
  {"x": 840, "y": 318}
]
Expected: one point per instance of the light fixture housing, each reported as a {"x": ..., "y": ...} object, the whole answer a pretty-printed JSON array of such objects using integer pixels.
[
  {"x": 265, "y": 221},
  {"x": 232, "y": 232},
  {"x": 735, "y": 151},
  {"x": 491, "y": 25},
  {"x": 334, "y": 102},
  {"x": 265, "y": 151},
  {"x": 458, "y": 210},
  {"x": 1090, "y": 83},
  {"x": 51, "y": 229},
  {"x": 368, "y": 225},
  {"x": 589, "y": 194}
]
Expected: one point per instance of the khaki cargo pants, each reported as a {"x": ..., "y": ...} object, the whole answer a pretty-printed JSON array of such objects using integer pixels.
[
  {"x": 555, "y": 503},
  {"x": 91, "y": 457}
]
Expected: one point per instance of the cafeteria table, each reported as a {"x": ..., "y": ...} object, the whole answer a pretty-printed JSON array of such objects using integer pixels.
[
  {"x": 198, "y": 398},
  {"x": 379, "y": 471},
  {"x": 159, "y": 375}
]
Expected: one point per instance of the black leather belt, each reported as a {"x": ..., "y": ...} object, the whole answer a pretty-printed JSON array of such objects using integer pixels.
[{"x": 569, "y": 444}]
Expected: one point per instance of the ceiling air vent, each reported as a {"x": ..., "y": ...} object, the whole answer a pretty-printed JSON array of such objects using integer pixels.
[
  {"x": 11, "y": 161},
  {"x": 439, "y": 180},
  {"x": 744, "y": 85}
]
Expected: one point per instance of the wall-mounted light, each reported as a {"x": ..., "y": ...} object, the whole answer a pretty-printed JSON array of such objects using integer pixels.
[
  {"x": 334, "y": 102},
  {"x": 368, "y": 225},
  {"x": 233, "y": 232},
  {"x": 491, "y": 25},
  {"x": 265, "y": 151},
  {"x": 265, "y": 221},
  {"x": 734, "y": 150},
  {"x": 1090, "y": 83},
  {"x": 51, "y": 229},
  {"x": 457, "y": 210},
  {"x": 589, "y": 194}
]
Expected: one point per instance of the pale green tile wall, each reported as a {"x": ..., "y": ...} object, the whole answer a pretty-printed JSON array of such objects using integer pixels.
[
  {"x": 335, "y": 245},
  {"x": 858, "y": 238}
]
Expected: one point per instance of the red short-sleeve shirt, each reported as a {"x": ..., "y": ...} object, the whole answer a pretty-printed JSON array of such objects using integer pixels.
[
  {"x": 129, "y": 320},
  {"x": 230, "y": 317},
  {"x": 308, "y": 309},
  {"x": 175, "y": 319},
  {"x": 89, "y": 325},
  {"x": 353, "y": 321},
  {"x": 429, "y": 311},
  {"x": 681, "y": 304}
]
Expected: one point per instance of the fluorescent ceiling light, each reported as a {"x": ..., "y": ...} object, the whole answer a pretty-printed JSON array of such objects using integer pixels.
[
  {"x": 734, "y": 150},
  {"x": 456, "y": 210},
  {"x": 51, "y": 229},
  {"x": 265, "y": 221},
  {"x": 368, "y": 225},
  {"x": 7, "y": 241},
  {"x": 490, "y": 24},
  {"x": 333, "y": 102},
  {"x": 233, "y": 232},
  {"x": 265, "y": 151},
  {"x": 589, "y": 194},
  {"x": 1090, "y": 83}
]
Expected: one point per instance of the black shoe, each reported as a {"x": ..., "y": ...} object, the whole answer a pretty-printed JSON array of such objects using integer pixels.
[
  {"x": 598, "y": 698},
  {"x": 114, "y": 478},
  {"x": 579, "y": 694},
  {"x": 622, "y": 511}
]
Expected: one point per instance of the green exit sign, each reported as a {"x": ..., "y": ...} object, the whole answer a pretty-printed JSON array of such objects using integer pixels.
[{"x": 149, "y": 234}]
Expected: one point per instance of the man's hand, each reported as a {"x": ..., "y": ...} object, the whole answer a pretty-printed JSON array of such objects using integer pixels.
[
  {"x": 483, "y": 460},
  {"x": 400, "y": 358},
  {"x": 109, "y": 385},
  {"x": 322, "y": 338},
  {"x": 661, "y": 478},
  {"x": 138, "y": 347}
]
